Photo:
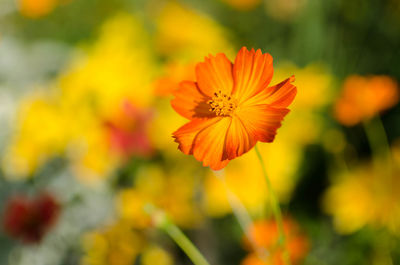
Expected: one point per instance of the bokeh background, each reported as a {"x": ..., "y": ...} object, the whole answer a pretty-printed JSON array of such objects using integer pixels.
[{"x": 86, "y": 124}]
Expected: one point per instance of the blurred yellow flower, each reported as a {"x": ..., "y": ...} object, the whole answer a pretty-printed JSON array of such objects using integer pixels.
[
  {"x": 75, "y": 118},
  {"x": 119, "y": 67},
  {"x": 314, "y": 93},
  {"x": 40, "y": 135},
  {"x": 186, "y": 34},
  {"x": 118, "y": 244},
  {"x": 366, "y": 196},
  {"x": 154, "y": 255},
  {"x": 174, "y": 193}
]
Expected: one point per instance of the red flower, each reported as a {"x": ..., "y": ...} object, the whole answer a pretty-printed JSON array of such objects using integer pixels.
[
  {"x": 29, "y": 219},
  {"x": 128, "y": 131}
]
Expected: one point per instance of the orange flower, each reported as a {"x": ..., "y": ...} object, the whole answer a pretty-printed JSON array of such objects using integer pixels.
[
  {"x": 36, "y": 8},
  {"x": 230, "y": 107},
  {"x": 364, "y": 97},
  {"x": 266, "y": 235}
]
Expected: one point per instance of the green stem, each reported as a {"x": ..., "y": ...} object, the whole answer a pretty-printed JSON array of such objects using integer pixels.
[
  {"x": 379, "y": 144},
  {"x": 275, "y": 209},
  {"x": 243, "y": 217},
  {"x": 164, "y": 223}
]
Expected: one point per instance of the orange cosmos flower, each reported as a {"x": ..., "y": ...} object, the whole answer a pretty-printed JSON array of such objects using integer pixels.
[
  {"x": 364, "y": 97},
  {"x": 230, "y": 107}
]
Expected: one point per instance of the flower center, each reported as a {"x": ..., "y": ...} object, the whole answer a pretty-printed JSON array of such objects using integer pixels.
[{"x": 222, "y": 104}]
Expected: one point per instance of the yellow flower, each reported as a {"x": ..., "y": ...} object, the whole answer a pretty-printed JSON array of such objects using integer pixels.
[
  {"x": 118, "y": 244},
  {"x": 90, "y": 155},
  {"x": 172, "y": 193},
  {"x": 253, "y": 192},
  {"x": 70, "y": 120},
  {"x": 305, "y": 119},
  {"x": 40, "y": 135},
  {"x": 120, "y": 66},
  {"x": 365, "y": 196},
  {"x": 185, "y": 33},
  {"x": 155, "y": 255}
]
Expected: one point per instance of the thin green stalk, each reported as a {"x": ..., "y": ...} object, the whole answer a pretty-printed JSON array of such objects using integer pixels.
[
  {"x": 379, "y": 144},
  {"x": 243, "y": 217},
  {"x": 275, "y": 209},
  {"x": 164, "y": 223}
]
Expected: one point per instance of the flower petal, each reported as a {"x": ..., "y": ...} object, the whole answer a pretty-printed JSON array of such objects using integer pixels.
[
  {"x": 210, "y": 144},
  {"x": 238, "y": 139},
  {"x": 185, "y": 136},
  {"x": 190, "y": 102},
  {"x": 278, "y": 96},
  {"x": 215, "y": 74},
  {"x": 252, "y": 72},
  {"x": 262, "y": 121}
]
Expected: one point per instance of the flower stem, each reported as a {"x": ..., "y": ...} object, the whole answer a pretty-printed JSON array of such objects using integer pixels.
[
  {"x": 275, "y": 209},
  {"x": 243, "y": 217},
  {"x": 379, "y": 143},
  {"x": 162, "y": 222}
]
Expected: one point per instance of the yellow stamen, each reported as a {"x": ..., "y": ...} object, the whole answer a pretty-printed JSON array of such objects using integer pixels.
[{"x": 222, "y": 104}]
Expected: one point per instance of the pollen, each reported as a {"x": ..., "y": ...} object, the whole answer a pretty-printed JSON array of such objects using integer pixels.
[{"x": 222, "y": 104}]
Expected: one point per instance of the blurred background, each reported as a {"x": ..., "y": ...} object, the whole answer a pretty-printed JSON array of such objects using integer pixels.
[{"x": 86, "y": 125}]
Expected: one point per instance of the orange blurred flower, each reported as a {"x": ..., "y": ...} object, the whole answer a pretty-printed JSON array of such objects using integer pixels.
[
  {"x": 266, "y": 235},
  {"x": 36, "y": 8},
  {"x": 230, "y": 107},
  {"x": 364, "y": 97},
  {"x": 285, "y": 10}
]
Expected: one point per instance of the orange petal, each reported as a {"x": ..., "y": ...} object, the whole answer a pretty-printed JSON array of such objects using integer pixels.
[
  {"x": 186, "y": 134},
  {"x": 262, "y": 121},
  {"x": 215, "y": 74},
  {"x": 190, "y": 102},
  {"x": 252, "y": 72},
  {"x": 238, "y": 140},
  {"x": 210, "y": 144},
  {"x": 278, "y": 96}
]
